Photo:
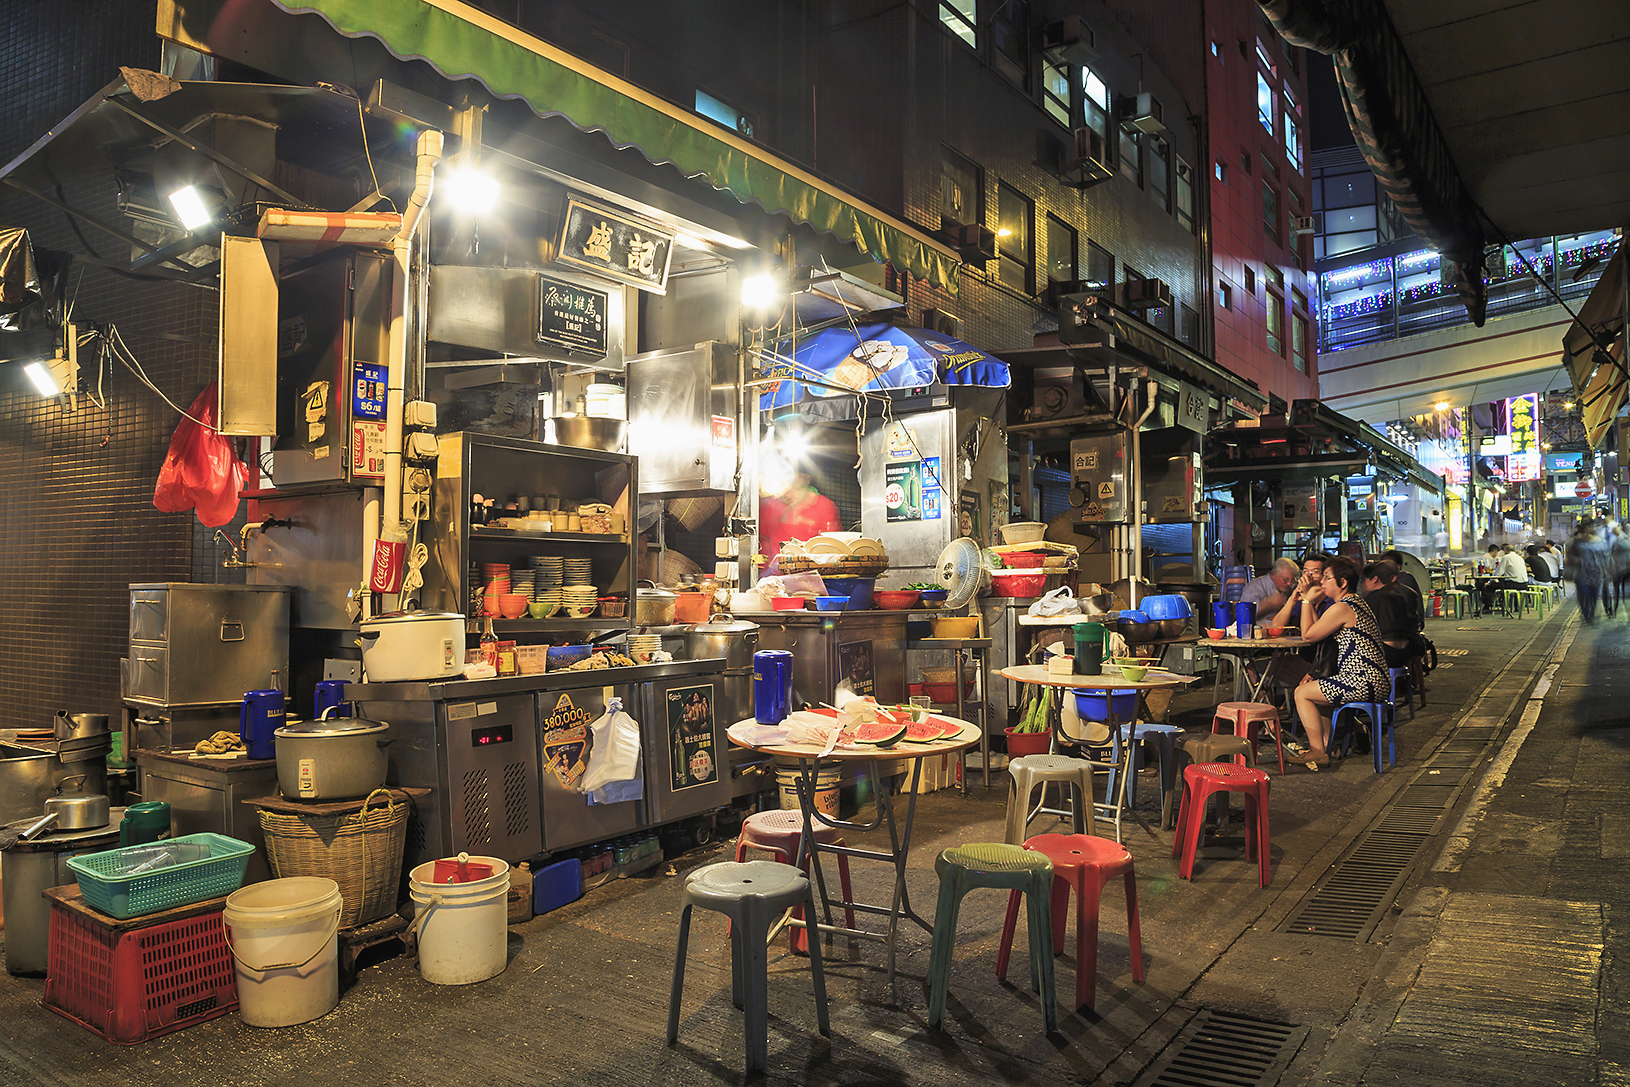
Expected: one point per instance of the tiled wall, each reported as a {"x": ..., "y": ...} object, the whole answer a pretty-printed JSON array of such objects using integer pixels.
[{"x": 77, "y": 523}]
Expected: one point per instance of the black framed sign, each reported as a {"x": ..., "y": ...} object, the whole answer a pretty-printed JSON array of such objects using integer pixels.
[
  {"x": 572, "y": 317},
  {"x": 615, "y": 244}
]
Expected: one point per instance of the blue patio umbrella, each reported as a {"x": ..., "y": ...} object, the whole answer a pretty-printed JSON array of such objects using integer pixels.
[{"x": 837, "y": 362}]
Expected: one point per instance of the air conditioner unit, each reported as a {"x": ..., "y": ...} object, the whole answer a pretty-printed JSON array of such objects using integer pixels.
[
  {"x": 946, "y": 324},
  {"x": 1075, "y": 289},
  {"x": 1303, "y": 224},
  {"x": 1078, "y": 315},
  {"x": 1143, "y": 113},
  {"x": 1147, "y": 294},
  {"x": 1089, "y": 163},
  {"x": 1070, "y": 39},
  {"x": 974, "y": 244}
]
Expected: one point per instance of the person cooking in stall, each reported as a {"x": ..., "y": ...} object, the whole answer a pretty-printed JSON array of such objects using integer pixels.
[
  {"x": 1361, "y": 663},
  {"x": 790, "y": 508}
]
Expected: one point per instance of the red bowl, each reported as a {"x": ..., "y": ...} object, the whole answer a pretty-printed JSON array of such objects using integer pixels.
[
  {"x": 1019, "y": 585},
  {"x": 789, "y": 603},
  {"x": 1024, "y": 560},
  {"x": 944, "y": 694},
  {"x": 896, "y": 599}
]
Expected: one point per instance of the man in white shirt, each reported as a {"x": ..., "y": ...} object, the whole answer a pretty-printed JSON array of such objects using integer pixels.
[
  {"x": 1270, "y": 591},
  {"x": 1511, "y": 566}
]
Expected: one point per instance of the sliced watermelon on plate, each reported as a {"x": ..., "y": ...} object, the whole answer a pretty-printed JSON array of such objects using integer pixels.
[
  {"x": 879, "y": 733},
  {"x": 923, "y": 732},
  {"x": 949, "y": 729}
]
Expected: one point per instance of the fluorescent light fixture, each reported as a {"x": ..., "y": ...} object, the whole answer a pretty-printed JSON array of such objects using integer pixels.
[
  {"x": 42, "y": 377},
  {"x": 759, "y": 292},
  {"x": 189, "y": 208},
  {"x": 471, "y": 191}
]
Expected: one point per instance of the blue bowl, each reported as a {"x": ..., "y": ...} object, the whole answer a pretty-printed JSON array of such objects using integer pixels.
[
  {"x": 1136, "y": 615},
  {"x": 858, "y": 590},
  {"x": 831, "y": 603},
  {"x": 1092, "y": 705},
  {"x": 1166, "y": 607},
  {"x": 934, "y": 597}
]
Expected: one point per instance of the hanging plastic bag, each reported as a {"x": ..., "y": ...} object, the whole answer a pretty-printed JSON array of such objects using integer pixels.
[
  {"x": 1061, "y": 601},
  {"x": 614, "y": 758},
  {"x": 202, "y": 470}
]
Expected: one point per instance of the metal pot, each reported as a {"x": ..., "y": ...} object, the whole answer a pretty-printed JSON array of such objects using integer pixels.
[
  {"x": 75, "y": 811},
  {"x": 77, "y": 726},
  {"x": 654, "y": 607},
  {"x": 1137, "y": 633},
  {"x": 330, "y": 759},
  {"x": 1172, "y": 628},
  {"x": 736, "y": 640},
  {"x": 589, "y": 432},
  {"x": 409, "y": 645},
  {"x": 30, "y": 776}
]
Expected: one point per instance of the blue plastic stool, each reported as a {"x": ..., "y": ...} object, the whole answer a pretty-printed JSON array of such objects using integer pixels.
[
  {"x": 1164, "y": 737},
  {"x": 1401, "y": 684},
  {"x": 1381, "y": 715}
]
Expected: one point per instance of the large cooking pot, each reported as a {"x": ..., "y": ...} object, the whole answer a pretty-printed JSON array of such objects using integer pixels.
[
  {"x": 72, "y": 811},
  {"x": 736, "y": 640},
  {"x": 332, "y": 758},
  {"x": 77, "y": 726},
  {"x": 29, "y": 776},
  {"x": 408, "y": 645},
  {"x": 654, "y": 607}
]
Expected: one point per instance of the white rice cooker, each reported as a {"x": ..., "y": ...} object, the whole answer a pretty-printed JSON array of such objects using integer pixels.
[{"x": 410, "y": 645}]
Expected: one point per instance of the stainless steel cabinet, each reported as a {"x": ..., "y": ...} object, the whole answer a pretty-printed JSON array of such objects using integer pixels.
[
  {"x": 687, "y": 759},
  {"x": 195, "y": 645}
]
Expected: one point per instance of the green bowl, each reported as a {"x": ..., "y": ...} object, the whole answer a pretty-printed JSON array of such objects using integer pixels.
[
  {"x": 541, "y": 611},
  {"x": 1133, "y": 673}
]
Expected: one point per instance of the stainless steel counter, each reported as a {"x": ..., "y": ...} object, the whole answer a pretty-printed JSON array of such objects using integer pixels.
[{"x": 459, "y": 690}]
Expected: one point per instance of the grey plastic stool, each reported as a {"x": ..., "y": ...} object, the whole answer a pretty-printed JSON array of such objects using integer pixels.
[
  {"x": 753, "y": 894},
  {"x": 1009, "y": 867},
  {"x": 1029, "y": 771},
  {"x": 1214, "y": 747}
]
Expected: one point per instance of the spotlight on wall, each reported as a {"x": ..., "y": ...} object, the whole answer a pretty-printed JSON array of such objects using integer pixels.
[
  {"x": 760, "y": 292},
  {"x": 45, "y": 381},
  {"x": 189, "y": 208},
  {"x": 471, "y": 190},
  {"x": 1441, "y": 405}
]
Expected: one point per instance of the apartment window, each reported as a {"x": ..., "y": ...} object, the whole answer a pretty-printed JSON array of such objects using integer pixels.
[
  {"x": 1055, "y": 90},
  {"x": 1291, "y": 102},
  {"x": 1010, "y": 41},
  {"x": 1161, "y": 317},
  {"x": 1264, "y": 102},
  {"x": 1293, "y": 144},
  {"x": 1100, "y": 266},
  {"x": 1132, "y": 155},
  {"x": 1014, "y": 244},
  {"x": 1095, "y": 103},
  {"x": 1265, "y": 58},
  {"x": 1276, "y": 317},
  {"x": 1185, "y": 195},
  {"x": 715, "y": 109},
  {"x": 1216, "y": 51},
  {"x": 1225, "y": 296},
  {"x": 1298, "y": 341},
  {"x": 960, "y": 188},
  {"x": 960, "y": 17},
  {"x": 1061, "y": 251},
  {"x": 1245, "y": 161},
  {"x": 1275, "y": 278},
  {"x": 1220, "y": 172},
  {"x": 1270, "y": 210},
  {"x": 1130, "y": 289},
  {"x": 1250, "y": 281},
  {"x": 1269, "y": 168},
  {"x": 1160, "y": 170},
  {"x": 1188, "y": 326}
]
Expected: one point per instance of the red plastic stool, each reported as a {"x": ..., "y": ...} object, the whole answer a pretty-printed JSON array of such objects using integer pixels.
[
  {"x": 777, "y": 833},
  {"x": 1084, "y": 864},
  {"x": 1200, "y": 782},
  {"x": 1246, "y": 719}
]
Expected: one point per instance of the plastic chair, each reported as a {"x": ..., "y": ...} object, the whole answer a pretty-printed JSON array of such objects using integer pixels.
[
  {"x": 1216, "y": 748},
  {"x": 1085, "y": 865},
  {"x": 1382, "y": 716},
  {"x": 752, "y": 895},
  {"x": 1009, "y": 867},
  {"x": 1454, "y": 604},
  {"x": 1029, "y": 771},
  {"x": 1247, "y": 719},
  {"x": 1200, "y": 782},
  {"x": 1402, "y": 683},
  {"x": 777, "y": 833}
]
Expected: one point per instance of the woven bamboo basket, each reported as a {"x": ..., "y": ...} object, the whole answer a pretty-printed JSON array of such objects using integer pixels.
[
  {"x": 361, "y": 851},
  {"x": 843, "y": 567}
]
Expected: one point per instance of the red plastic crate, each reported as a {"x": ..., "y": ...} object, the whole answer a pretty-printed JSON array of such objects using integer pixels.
[{"x": 129, "y": 981}]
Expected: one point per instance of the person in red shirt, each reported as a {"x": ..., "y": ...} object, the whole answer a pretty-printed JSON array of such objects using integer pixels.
[{"x": 797, "y": 513}]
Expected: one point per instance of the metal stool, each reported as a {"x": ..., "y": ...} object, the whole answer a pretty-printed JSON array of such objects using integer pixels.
[
  {"x": 777, "y": 832},
  {"x": 1199, "y": 783},
  {"x": 1009, "y": 867},
  {"x": 1246, "y": 719},
  {"x": 1382, "y": 716},
  {"x": 753, "y": 895},
  {"x": 1029, "y": 771},
  {"x": 1085, "y": 865}
]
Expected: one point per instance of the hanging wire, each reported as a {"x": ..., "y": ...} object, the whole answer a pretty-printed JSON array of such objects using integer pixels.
[
  {"x": 370, "y": 157},
  {"x": 133, "y": 364}
]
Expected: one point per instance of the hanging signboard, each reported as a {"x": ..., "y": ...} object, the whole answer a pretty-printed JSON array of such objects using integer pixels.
[
  {"x": 1523, "y": 464},
  {"x": 615, "y": 244},
  {"x": 572, "y": 317}
]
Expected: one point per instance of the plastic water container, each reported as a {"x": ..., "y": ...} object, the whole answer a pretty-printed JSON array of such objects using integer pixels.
[
  {"x": 462, "y": 928},
  {"x": 284, "y": 936}
]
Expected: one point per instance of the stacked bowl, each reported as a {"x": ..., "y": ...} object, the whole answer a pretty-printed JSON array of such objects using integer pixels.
[
  {"x": 580, "y": 600},
  {"x": 641, "y": 646}
]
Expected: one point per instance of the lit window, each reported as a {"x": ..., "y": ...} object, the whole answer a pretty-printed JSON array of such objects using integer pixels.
[
  {"x": 1266, "y": 58},
  {"x": 1216, "y": 51},
  {"x": 724, "y": 113},
  {"x": 1224, "y": 296},
  {"x": 1014, "y": 244},
  {"x": 1220, "y": 172},
  {"x": 960, "y": 17},
  {"x": 1055, "y": 90},
  {"x": 1293, "y": 146},
  {"x": 1095, "y": 102},
  {"x": 1276, "y": 317},
  {"x": 1264, "y": 102}
]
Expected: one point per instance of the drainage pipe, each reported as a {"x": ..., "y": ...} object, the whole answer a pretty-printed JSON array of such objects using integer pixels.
[{"x": 1152, "y": 392}]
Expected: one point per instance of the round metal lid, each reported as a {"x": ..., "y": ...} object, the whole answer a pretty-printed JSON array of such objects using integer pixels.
[
  {"x": 646, "y": 593},
  {"x": 725, "y": 624},
  {"x": 334, "y": 726}
]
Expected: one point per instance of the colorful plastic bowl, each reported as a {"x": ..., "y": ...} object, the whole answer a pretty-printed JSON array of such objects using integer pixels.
[
  {"x": 831, "y": 603},
  {"x": 896, "y": 599},
  {"x": 789, "y": 603},
  {"x": 1215, "y": 634},
  {"x": 1024, "y": 560},
  {"x": 933, "y": 598}
]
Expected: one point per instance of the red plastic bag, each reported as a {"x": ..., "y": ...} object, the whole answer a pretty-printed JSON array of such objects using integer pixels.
[{"x": 202, "y": 470}]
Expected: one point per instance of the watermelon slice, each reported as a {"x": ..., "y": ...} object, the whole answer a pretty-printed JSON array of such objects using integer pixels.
[
  {"x": 880, "y": 733},
  {"x": 948, "y": 729},
  {"x": 924, "y": 732}
]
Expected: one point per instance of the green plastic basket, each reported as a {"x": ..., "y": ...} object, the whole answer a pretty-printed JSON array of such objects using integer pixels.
[{"x": 108, "y": 882}]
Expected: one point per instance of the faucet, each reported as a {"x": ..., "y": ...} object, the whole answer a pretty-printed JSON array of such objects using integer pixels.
[{"x": 240, "y": 547}]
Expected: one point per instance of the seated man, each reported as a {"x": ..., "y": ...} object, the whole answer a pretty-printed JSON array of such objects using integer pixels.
[
  {"x": 1539, "y": 571},
  {"x": 1271, "y": 591},
  {"x": 1509, "y": 573},
  {"x": 1395, "y": 613},
  {"x": 1312, "y": 574}
]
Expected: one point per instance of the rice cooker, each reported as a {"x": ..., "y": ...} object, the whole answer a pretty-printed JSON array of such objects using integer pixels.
[{"x": 409, "y": 645}]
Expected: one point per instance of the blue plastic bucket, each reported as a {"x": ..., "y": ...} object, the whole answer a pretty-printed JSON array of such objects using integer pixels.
[{"x": 1094, "y": 705}]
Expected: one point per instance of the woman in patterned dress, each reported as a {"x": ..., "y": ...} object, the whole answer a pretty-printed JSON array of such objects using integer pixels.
[{"x": 1361, "y": 663}]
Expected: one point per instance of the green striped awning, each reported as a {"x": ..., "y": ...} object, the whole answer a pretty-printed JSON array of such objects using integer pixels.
[{"x": 462, "y": 42}]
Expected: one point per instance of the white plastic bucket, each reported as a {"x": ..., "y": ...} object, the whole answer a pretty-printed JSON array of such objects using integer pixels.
[
  {"x": 284, "y": 936},
  {"x": 826, "y": 788},
  {"x": 463, "y": 928}
]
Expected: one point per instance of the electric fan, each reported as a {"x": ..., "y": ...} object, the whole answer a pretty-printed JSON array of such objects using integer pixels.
[{"x": 964, "y": 569}]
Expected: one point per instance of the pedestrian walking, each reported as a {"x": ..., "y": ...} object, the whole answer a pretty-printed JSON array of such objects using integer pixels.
[{"x": 1586, "y": 565}]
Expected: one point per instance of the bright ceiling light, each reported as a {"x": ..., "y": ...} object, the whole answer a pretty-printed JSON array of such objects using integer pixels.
[
  {"x": 471, "y": 191},
  {"x": 794, "y": 445},
  {"x": 1567, "y": 405},
  {"x": 189, "y": 208},
  {"x": 760, "y": 292},
  {"x": 1441, "y": 405},
  {"x": 40, "y": 374}
]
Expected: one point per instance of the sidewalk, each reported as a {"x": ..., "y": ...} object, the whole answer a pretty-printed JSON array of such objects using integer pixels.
[{"x": 584, "y": 997}]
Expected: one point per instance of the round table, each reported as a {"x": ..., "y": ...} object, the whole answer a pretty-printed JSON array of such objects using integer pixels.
[
  {"x": 1120, "y": 768},
  {"x": 808, "y": 755}
]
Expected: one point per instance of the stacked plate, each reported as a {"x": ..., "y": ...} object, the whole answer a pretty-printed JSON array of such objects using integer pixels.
[
  {"x": 549, "y": 570},
  {"x": 580, "y": 600},
  {"x": 641, "y": 646},
  {"x": 522, "y": 581},
  {"x": 579, "y": 571}
]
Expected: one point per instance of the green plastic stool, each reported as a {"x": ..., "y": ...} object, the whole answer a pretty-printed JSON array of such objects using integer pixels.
[
  {"x": 1007, "y": 867},
  {"x": 1512, "y": 602}
]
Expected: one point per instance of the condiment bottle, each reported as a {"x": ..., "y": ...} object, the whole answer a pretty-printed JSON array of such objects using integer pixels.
[
  {"x": 520, "y": 893},
  {"x": 489, "y": 644}
]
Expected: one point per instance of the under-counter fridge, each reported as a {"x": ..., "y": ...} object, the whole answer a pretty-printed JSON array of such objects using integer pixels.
[
  {"x": 687, "y": 759},
  {"x": 564, "y": 748}
]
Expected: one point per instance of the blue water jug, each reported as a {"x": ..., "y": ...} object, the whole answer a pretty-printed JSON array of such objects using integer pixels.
[
  {"x": 1222, "y": 615},
  {"x": 1244, "y": 618}
]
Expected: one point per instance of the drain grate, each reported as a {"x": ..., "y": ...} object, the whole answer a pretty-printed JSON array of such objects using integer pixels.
[
  {"x": 1427, "y": 796},
  {"x": 1217, "y": 1049}
]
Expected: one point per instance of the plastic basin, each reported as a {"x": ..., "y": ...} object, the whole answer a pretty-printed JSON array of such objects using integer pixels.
[
  {"x": 1094, "y": 705},
  {"x": 789, "y": 603},
  {"x": 896, "y": 599},
  {"x": 831, "y": 603}
]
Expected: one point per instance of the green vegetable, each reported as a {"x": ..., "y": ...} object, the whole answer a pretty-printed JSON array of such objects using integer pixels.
[
  {"x": 923, "y": 587},
  {"x": 1039, "y": 715}
]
